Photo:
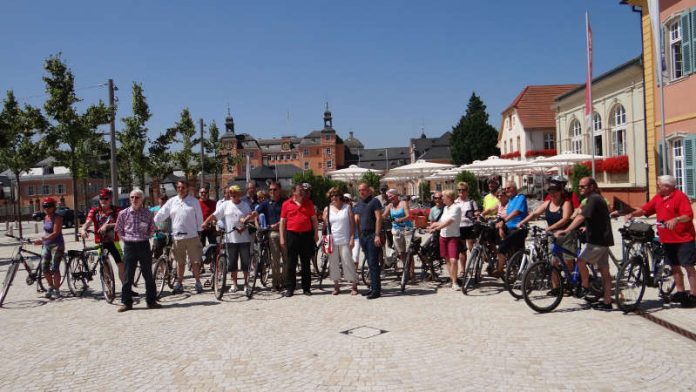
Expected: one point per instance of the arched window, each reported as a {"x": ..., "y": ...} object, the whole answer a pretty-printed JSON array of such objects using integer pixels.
[
  {"x": 617, "y": 122},
  {"x": 576, "y": 137},
  {"x": 598, "y": 133}
]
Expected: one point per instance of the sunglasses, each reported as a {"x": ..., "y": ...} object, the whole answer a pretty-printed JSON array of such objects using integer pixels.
[
  {"x": 47, "y": 206},
  {"x": 437, "y": 198},
  {"x": 103, "y": 198},
  {"x": 272, "y": 189},
  {"x": 582, "y": 186}
]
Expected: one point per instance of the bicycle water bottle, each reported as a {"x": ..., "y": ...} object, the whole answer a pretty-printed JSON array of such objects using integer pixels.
[{"x": 262, "y": 221}]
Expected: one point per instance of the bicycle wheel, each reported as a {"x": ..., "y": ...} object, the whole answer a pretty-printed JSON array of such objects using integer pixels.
[
  {"x": 40, "y": 287},
  {"x": 665, "y": 280},
  {"x": 220, "y": 277},
  {"x": 107, "y": 281},
  {"x": 365, "y": 272},
  {"x": 513, "y": 275},
  {"x": 265, "y": 268},
  {"x": 407, "y": 268},
  {"x": 76, "y": 276},
  {"x": 7, "y": 282},
  {"x": 253, "y": 274},
  {"x": 538, "y": 286},
  {"x": 63, "y": 268},
  {"x": 160, "y": 272},
  {"x": 470, "y": 273},
  {"x": 630, "y": 284},
  {"x": 138, "y": 274}
]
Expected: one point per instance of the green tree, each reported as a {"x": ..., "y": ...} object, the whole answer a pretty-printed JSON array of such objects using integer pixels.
[
  {"x": 320, "y": 186},
  {"x": 70, "y": 131},
  {"x": 424, "y": 192},
  {"x": 185, "y": 132},
  {"x": 133, "y": 139},
  {"x": 576, "y": 173},
  {"x": 215, "y": 160},
  {"x": 371, "y": 179},
  {"x": 160, "y": 158},
  {"x": 21, "y": 149},
  {"x": 470, "y": 179},
  {"x": 473, "y": 137}
]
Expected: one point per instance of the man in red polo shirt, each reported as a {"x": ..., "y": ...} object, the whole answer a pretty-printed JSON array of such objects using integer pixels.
[
  {"x": 298, "y": 234},
  {"x": 208, "y": 207},
  {"x": 676, "y": 231}
]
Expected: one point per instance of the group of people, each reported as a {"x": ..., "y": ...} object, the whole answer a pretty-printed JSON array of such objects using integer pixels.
[{"x": 351, "y": 227}]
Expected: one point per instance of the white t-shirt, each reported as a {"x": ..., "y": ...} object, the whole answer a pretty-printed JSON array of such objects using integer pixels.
[
  {"x": 233, "y": 213},
  {"x": 340, "y": 224},
  {"x": 468, "y": 207},
  {"x": 453, "y": 212}
]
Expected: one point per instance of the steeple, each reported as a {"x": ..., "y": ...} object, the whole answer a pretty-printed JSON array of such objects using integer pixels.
[
  {"x": 328, "y": 121},
  {"x": 229, "y": 122}
]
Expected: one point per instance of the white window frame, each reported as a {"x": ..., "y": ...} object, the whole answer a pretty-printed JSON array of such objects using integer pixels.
[
  {"x": 597, "y": 133},
  {"x": 549, "y": 141},
  {"x": 618, "y": 130},
  {"x": 678, "y": 163},
  {"x": 576, "y": 136},
  {"x": 30, "y": 190},
  {"x": 329, "y": 164},
  {"x": 328, "y": 151},
  {"x": 676, "y": 54},
  {"x": 46, "y": 189},
  {"x": 306, "y": 165},
  {"x": 60, "y": 189}
]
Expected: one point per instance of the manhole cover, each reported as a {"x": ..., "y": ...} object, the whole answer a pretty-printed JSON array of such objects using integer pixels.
[{"x": 364, "y": 332}]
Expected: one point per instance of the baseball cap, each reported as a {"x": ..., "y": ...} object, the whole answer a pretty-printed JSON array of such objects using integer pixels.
[
  {"x": 48, "y": 202},
  {"x": 306, "y": 186},
  {"x": 105, "y": 192}
]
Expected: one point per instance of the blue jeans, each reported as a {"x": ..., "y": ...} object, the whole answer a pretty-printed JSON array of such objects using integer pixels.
[{"x": 367, "y": 243}]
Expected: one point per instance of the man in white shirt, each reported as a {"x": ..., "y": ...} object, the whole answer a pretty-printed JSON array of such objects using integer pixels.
[{"x": 187, "y": 218}]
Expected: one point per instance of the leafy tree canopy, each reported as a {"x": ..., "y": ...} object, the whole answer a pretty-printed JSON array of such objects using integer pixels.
[{"x": 473, "y": 137}]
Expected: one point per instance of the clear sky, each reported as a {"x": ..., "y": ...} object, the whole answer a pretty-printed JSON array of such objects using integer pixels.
[{"x": 387, "y": 68}]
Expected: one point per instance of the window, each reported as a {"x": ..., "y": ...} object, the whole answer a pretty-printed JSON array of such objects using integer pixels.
[
  {"x": 329, "y": 164},
  {"x": 519, "y": 145},
  {"x": 505, "y": 151},
  {"x": 46, "y": 189},
  {"x": 306, "y": 165},
  {"x": 30, "y": 190},
  {"x": 576, "y": 137},
  {"x": 327, "y": 137},
  {"x": 306, "y": 152},
  {"x": 319, "y": 165},
  {"x": 294, "y": 156},
  {"x": 617, "y": 121},
  {"x": 676, "y": 60},
  {"x": 549, "y": 141},
  {"x": 597, "y": 129},
  {"x": 678, "y": 151},
  {"x": 60, "y": 189},
  {"x": 328, "y": 151}
]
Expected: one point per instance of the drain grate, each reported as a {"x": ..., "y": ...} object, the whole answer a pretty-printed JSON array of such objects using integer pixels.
[{"x": 364, "y": 332}]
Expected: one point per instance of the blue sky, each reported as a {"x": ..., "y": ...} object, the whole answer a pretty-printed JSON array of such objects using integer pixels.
[{"x": 387, "y": 68}]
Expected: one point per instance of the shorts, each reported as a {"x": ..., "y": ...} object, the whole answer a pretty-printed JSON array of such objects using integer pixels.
[
  {"x": 51, "y": 256},
  {"x": 467, "y": 233},
  {"x": 569, "y": 242},
  {"x": 680, "y": 254},
  {"x": 237, "y": 251},
  {"x": 596, "y": 255},
  {"x": 114, "y": 249},
  {"x": 514, "y": 240},
  {"x": 449, "y": 247},
  {"x": 399, "y": 238},
  {"x": 188, "y": 246}
]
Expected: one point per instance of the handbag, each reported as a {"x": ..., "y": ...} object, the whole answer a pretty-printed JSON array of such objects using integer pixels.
[{"x": 327, "y": 245}]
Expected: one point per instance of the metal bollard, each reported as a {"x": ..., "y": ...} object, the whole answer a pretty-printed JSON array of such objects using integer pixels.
[
  {"x": 36, "y": 227},
  {"x": 10, "y": 230}
]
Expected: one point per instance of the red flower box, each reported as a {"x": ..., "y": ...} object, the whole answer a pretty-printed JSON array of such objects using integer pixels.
[
  {"x": 514, "y": 154},
  {"x": 549, "y": 152},
  {"x": 617, "y": 164}
]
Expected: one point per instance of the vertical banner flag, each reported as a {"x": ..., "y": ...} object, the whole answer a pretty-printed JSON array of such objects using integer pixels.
[
  {"x": 588, "y": 89},
  {"x": 654, "y": 10},
  {"x": 248, "y": 169}
]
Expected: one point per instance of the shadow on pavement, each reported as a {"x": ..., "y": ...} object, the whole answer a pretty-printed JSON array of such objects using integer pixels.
[
  {"x": 189, "y": 304},
  {"x": 25, "y": 304}
]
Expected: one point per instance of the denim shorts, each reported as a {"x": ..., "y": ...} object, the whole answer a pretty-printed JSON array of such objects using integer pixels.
[{"x": 51, "y": 256}]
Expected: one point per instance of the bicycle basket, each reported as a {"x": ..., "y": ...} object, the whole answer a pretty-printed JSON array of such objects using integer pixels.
[
  {"x": 640, "y": 231},
  {"x": 489, "y": 233}
]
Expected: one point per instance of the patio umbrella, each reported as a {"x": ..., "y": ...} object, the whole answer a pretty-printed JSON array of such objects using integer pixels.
[
  {"x": 418, "y": 169},
  {"x": 567, "y": 158},
  {"x": 351, "y": 173}
]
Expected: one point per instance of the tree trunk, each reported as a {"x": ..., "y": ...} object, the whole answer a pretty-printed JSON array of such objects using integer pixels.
[{"x": 19, "y": 204}]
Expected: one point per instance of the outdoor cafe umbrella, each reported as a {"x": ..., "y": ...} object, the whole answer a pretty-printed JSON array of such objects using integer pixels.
[
  {"x": 351, "y": 173},
  {"x": 418, "y": 169}
]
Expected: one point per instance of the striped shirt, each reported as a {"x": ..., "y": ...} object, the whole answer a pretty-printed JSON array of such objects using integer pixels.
[{"x": 135, "y": 225}]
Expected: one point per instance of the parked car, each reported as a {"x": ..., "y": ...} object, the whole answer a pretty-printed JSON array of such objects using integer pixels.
[{"x": 67, "y": 214}]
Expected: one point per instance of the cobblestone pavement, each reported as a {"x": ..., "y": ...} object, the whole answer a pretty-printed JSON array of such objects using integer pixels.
[{"x": 431, "y": 338}]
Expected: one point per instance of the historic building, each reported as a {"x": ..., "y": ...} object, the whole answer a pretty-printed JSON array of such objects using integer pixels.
[
  {"x": 320, "y": 151},
  {"x": 677, "y": 28},
  {"x": 617, "y": 130}
]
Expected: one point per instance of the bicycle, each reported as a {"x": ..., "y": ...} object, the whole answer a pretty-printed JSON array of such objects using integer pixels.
[
  {"x": 545, "y": 281},
  {"x": 387, "y": 256},
  {"x": 260, "y": 260},
  {"x": 34, "y": 273},
  {"x": 163, "y": 270},
  {"x": 82, "y": 266},
  {"x": 413, "y": 249},
  {"x": 431, "y": 261},
  {"x": 644, "y": 265},
  {"x": 480, "y": 253},
  {"x": 518, "y": 263}
]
